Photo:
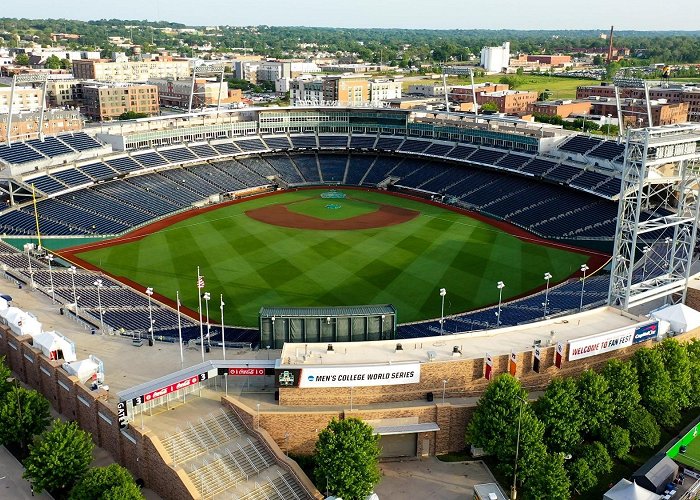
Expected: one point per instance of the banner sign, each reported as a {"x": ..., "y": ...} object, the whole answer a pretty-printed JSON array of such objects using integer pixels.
[
  {"x": 559, "y": 354},
  {"x": 242, "y": 372},
  {"x": 121, "y": 414},
  {"x": 171, "y": 388},
  {"x": 536, "y": 360},
  {"x": 513, "y": 363},
  {"x": 489, "y": 367},
  {"x": 349, "y": 376},
  {"x": 646, "y": 332}
]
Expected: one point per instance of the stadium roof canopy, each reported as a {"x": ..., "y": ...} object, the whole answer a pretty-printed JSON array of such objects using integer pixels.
[{"x": 324, "y": 312}]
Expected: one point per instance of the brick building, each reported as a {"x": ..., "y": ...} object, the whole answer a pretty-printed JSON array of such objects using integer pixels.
[
  {"x": 131, "y": 71},
  {"x": 674, "y": 93},
  {"x": 26, "y": 125},
  {"x": 346, "y": 90},
  {"x": 24, "y": 99},
  {"x": 561, "y": 108},
  {"x": 552, "y": 60},
  {"x": 634, "y": 111},
  {"x": 108, "y": 101},
  {"x": 463, "y": 93},
  {"x": 172, "y": 92},
  {"x": 508, "y": 101}
]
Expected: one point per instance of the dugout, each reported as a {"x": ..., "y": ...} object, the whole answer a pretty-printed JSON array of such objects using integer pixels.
[{"x": 326, "y": 324}]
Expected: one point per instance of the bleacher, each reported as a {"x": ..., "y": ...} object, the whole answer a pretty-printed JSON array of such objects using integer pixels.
[
  {"x": 277, "y": 143},
  {"x": 46, "y": 184},
  {"x": 362, "y": 141},
  {"x": 304, "y": 141},
  {"x": 98, "y": 171},
  {"x": 380, "y": 169},
  {"x": 123, "y": 165},
  {"x": 50, "y": 147},
  {"x": 332, "y": 167},
  {"x": 414, "y": 146},
  {"x": 80, "y": 141},
  {"x": 608, "y": 150},
  {"x": 150, "y": 159},
  {"x": 486, "y": 156},
  {"x": 19, "y": 153},
  {"x": 461, "y": 152},
  {"x": 580, "y": 144},
  {"x": 333, "y": 141},
  {"x": 71, "y": 177},
  {"x": 358, "y": 165},
  {"x": 308, "y": 167},
  {"x": 251, "y": 145},
  {"x": 513, "y": 161},
  {"x": 388, "y": 143},
  {"x": 177, "y": 155}
]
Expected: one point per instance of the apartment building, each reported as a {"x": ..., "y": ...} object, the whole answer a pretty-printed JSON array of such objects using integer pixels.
[
  {"x": 131, "y": 71},
  {"x": 26, "y": 125},
  {"x": 208, "y": 92},
  {"x": 563, "y": 109},
  {"x": 103, "y": 101},
  {"x": 463, "y": 93},
  {"x": 346, "y": 90},
  {"x": 24, "y": 99},
  {"x": 64, "y": 92},
  {"x": 428, "y": 90},
  {"x": 508, "y": 101},
  {"x": 634, "y": 111},
  {"x": 306, "y": 90},
  {"x": 384, "y": 90}
]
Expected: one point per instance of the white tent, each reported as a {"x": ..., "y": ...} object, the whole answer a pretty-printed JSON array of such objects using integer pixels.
[
  {"x": 3, "y": 304},
  {"x": 55, "y": 346},
  {"x": 626, "y": 490},
  {"x": 21, "y": 322},
  {"x": 681, "y": 317},
  {"x": 83, "y": 369}
]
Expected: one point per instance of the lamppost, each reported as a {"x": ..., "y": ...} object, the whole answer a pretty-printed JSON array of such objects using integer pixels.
[
  {"x": 149, "y": 292},
  {"x": 258, "y": 405},
  {"x": 73, "y": 271},
  {"x": 27, "y": 247},
  {"x": 223, "y": 338},
  {"x": 547, "y": 277},
  {"x": 444, "y": 386},
  {"x": 584, "y": 268},
  {"x": 645, "y": 251},
  {"x": 98, "y": 284},
  {"x": 207, "y": 296},
  {"x": 382, "y": 332},
  {"x": 49, "y": 258},
  {"x": 500, "y": 285},
  {"x": 668, "y": 241},
  {"x": 514, "y": 489},
  {"x": 443, "y": 292},
  {"x": 607, "y": 129},
  {"x": 273, "y": 330}
]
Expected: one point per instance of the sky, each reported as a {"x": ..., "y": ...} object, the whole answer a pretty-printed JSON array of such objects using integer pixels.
[{"x": 428, "y": 14}]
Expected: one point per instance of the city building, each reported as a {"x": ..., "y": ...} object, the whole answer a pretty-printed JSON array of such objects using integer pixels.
[
  {"x": 345, "y": 90},
  {"x": 26, "y": 125},
  {"x": 306, "y": 89},
  {"x": 383, "y": 90},
  {"x": 463, "y": 93},
  {"x": 634, "y": 111},
  {"x": 551, "y": 60},
  {"x": 25, "y": 98},
  {"x": 429, "y": 90},
  {"x": 172, "y": 92},
  {"x": 508, "y": 101},
  {"x": 561, "y": 108},
  {"x": 64, "y": 92},
  {"x": 131, "y": 71},
  {"x": 104, "y": 101},
  {"x": 671, "y": 93},
  {"x": 495, "y": 59}
]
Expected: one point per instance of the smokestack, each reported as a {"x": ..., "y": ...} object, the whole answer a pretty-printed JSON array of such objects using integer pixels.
[{"x": 610, "y": 47}]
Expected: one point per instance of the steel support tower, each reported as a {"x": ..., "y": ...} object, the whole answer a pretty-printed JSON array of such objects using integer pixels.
[
  {"x": 657, "y": 217},
  {"x": 32, "y": 79},
  {"x": 203, "y": 70}
]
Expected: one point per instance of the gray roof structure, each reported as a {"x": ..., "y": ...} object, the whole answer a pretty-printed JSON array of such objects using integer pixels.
[{"x": 324, "y": 312}]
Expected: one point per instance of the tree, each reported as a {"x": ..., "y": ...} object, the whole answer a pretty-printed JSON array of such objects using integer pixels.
[
  {"x": 489, "y": 107},
  {"x": 131, "y": 115},
  {"x": 5, "y": 376},
  {"x": 23, "y": 414},
  {"x": 99, "y": 482},
  {"x": 59, "y": 458},
  {"x": 52, "y": 62},
  {"x": 513, "y": 81},
  {"x": 643, "y": 429},
  {"x": 347, "y": 458},
  {"x": 545, "y": 95},
  {"x": 501, "y": 410},
  {"x": 22, "y": 60},
  {"x": 655, "y": 386},
  {"x": 617, "y": 440},
  {"x": 623, "y": 387},
  {"x": 596, "y": 403},
  {"x": 677, "y": 365},
  {"x": 581, "y": 476},
  {"x": 66, "y": 64},
  {"x": 597, "y": 457},
  {"x": 693, "y": 349},
  {"x": 550, "y": 481},
  {"x": 559, "y": 411}
]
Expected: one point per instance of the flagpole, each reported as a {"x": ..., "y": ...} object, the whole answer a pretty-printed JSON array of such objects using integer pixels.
[
  {"x": 179, "y": 330},
  {"x": 223, "y": 340},
  {"x": 201, "y": 326}
]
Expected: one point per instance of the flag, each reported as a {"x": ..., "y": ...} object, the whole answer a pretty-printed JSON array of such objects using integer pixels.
[
  {"x": 559, "y": 355},
  {"x": 536, "y": 360},
  {"x": 200, "y": 282},
  {"x": 513, "y": 363},
  {"x": 489, "y": 367}
]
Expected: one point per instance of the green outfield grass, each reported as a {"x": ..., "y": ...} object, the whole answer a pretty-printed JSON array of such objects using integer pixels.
[
  {"x": 691, "y": 457},
  {"x": 256, "y": 264}
]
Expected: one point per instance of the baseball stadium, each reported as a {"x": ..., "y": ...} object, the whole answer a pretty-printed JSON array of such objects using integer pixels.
[{"x": 230, "y": 281}]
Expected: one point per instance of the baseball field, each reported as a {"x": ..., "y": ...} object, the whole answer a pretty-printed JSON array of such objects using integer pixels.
[{"x": 300, "y": 249}]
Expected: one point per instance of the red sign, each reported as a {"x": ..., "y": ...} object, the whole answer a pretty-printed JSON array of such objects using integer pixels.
[
  {"x": 489, "y": 367},
  {"x": 242, "y": 372},
  {"x": 174, "y": 387},
  {"x": 513, "y": 363}
]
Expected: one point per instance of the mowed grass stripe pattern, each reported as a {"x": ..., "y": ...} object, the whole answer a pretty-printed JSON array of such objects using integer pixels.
[{"x": 255, "y": 264}]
